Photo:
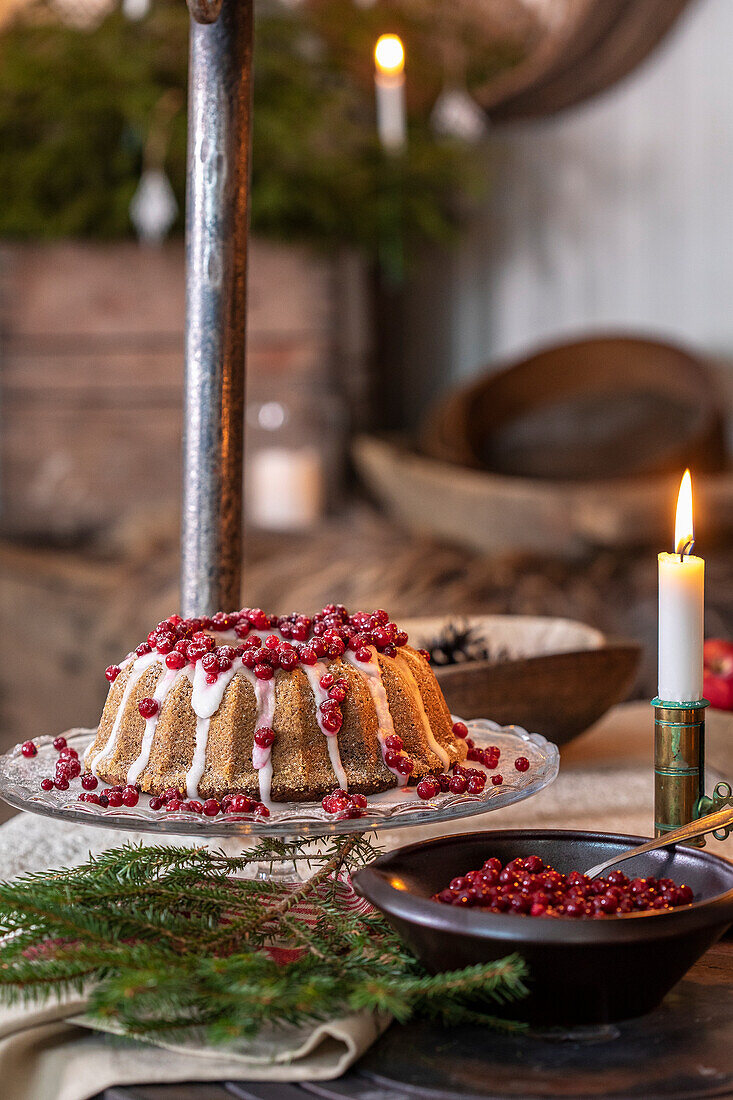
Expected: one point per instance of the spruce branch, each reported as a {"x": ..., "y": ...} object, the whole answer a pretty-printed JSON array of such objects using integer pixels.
[{"x": 173, "y": 941}]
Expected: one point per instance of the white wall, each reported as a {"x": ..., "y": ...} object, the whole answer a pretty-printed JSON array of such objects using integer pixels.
[{"x": 616, "y": 214}]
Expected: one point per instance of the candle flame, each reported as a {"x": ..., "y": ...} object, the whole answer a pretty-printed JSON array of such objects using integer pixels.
[
  {"x": 683, "y": 527},
  {"x": 389, "y": 55}
]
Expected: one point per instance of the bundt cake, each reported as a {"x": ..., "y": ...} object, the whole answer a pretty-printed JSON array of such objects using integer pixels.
[{"x": 282, "y": 709}]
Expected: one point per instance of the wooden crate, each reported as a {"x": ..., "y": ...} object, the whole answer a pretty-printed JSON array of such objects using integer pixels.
[{"x": 91, "y": 368}]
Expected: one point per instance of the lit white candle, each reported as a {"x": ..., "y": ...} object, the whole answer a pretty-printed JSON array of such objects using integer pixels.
[
  {"x": 681, "y": 613},
  {"x": 389, "y": 80}
]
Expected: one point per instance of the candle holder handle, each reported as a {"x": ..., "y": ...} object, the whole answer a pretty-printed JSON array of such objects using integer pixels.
[{"x": 722, "y": 796}]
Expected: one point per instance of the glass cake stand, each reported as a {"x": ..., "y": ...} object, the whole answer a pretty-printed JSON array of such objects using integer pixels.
[{"x": 20, "y": 778}]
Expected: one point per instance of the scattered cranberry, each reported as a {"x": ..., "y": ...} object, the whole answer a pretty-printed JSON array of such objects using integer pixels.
[
  {"x": 193, "y": 806},
  {"x": 173, "y": 806},
  {"x": 112, "y": 672},
  {"x": 59, "y": 743},
  {"x": 47, "y": 784},
  {"x": 170, "y": 793},
  {"x": 130, "y": 796},
  {"x": 460, "y": 729},
  {"x": 476, "y": 784},
  {"x": 28, "y": 748},
  {"x": 428, "y": 788},
  {"x": 211, "y": 807},
  {"x": 343, "y": 804},
  {"x": 394, "y": 742},
  {"x": 497, "y": 779},
  {"x": 458, "y": 784},
  {"x": 156, "y": 803},
  {"x": 103, "y": 800},
  {"x": 264, "y": 737},
  {"x": 521, "y": 764},
  {"x": 61, "y": 784}
]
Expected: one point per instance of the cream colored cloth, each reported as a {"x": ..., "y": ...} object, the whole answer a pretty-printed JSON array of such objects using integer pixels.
[{"x": 44, "y": 1056}]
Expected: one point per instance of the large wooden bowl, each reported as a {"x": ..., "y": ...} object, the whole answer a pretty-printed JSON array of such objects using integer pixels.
[
  {"x": 552, "y": 676},
  {"x": 495, "y": 513}
]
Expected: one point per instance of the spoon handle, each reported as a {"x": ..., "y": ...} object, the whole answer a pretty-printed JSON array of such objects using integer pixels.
[{"x": 719, "y": 819}]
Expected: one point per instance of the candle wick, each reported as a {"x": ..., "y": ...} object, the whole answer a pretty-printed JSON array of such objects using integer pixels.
[{"x": 687, "y": 547}]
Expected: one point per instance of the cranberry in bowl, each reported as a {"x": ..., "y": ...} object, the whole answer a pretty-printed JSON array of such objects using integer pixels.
[{"x": 581, "y": 971}]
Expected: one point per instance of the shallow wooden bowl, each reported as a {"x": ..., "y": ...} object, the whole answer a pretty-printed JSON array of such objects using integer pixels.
[{"x": 552, "y": 676}]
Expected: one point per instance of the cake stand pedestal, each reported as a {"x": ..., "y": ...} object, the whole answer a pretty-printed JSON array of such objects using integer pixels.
[{"x": 20, "y": 779}]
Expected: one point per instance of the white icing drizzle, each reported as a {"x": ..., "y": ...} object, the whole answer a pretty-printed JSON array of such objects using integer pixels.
[
  {"x": 165, "y": 683},
  {"x": 205, "y": 701},
  {"x": 139, "y": 666},
  {"x": 373, "y": 675},
  {"x": 437, "y": 748},
  {"x": 320, "y": 694},
  {"x": 262, "y": 757}
]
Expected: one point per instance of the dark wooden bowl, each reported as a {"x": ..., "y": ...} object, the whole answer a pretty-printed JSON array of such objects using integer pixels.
[
  {"x": 581, "y": 971},
  {"x": 556, "y": 693},
  {"x": 591, "y": 410}
]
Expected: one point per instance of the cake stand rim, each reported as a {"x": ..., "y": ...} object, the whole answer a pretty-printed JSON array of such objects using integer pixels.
[{"x": 200, "y": 828}]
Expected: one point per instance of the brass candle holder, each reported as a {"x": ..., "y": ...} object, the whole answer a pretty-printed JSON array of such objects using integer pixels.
[{"x": 679, "y": 768}]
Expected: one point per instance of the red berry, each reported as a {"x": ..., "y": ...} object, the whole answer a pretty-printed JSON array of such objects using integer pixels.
[
  {"x": 148, "y": 707},
  {"x": 74, "y": 768},
  {"x": 458, "y": 784},
  {"x": 89, "y": 781},
  {"x": 175, "y": 660},
  {"x": 156, "y": 803},
  {"x": 460, "y": 729},
  {"x": 360, "y": 800},
  {"x": 264, "y": 737},
  {"x": 28, "y": 748},
  {"x": 426, "y": 788},
  {"x": 476, "y": 784},
  {"x": 211, "y": 807},
  {"x": 173, "y": 806},
  {"x": 332, "y": 721},
  {"x": 404, "y": 765},
  {"x": 394, "y": 742},
  {"x": 288, "y": 659},
  {"x": 114, "y": 798},
  {"x": 170, "y": 793},
  {"x": 497, "y": 779},
  {"x": 364, "y": 655},
  {"x": 260, "y": 810},
  {"x": 308, "y": 655},
  {"x": 263, "y": 671},
  {"x": 61, "y": 784},
  {"x": 239, "y": 804},
  {"x": 130, "y": 796},
  {"x": 59, "y": 743},
  {"x": 521, "y": 764},
  {"x": 47, "y": 784},
  {"x": 193, "y": 806},
  {"x": 112, "y": 672},
  {"x": 443, "y": 782}
]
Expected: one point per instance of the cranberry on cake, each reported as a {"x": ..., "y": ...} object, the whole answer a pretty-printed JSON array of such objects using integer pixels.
[{"x": 281, "y": 708}]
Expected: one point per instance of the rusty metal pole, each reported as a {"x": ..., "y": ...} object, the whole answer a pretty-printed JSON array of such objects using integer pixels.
[{"x": 217, "y": 213}]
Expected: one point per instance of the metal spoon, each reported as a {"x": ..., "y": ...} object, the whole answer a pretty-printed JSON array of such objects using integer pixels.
[{"x": 719, "y": 819}]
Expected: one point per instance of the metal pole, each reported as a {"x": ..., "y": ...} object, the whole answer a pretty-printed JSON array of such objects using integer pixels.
[{"x": 217, "y": 209}]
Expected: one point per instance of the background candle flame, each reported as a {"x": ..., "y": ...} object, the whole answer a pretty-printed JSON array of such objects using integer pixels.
[
  {"x": 389, "y": 54},
  {"x": 683, "y": 527}
]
